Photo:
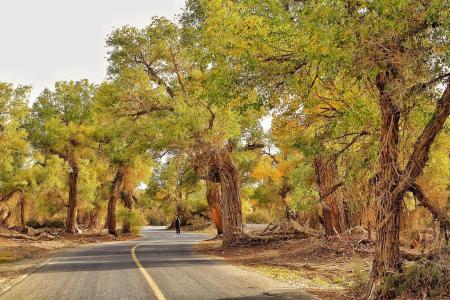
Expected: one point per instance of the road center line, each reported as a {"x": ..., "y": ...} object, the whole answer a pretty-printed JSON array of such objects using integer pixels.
[{"x": 159, "y": 295}]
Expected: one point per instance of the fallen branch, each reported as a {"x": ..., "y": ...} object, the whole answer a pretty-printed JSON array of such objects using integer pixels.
[
  {"x": 26, "y": 237},
  {"x": 17, "y": 236}
]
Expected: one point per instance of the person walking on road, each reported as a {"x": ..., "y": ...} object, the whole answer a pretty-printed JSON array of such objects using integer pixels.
[{"x": 178, "y": 225}]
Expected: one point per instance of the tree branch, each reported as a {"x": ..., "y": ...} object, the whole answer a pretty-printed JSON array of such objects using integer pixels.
[
  {"x": 438, "y": 213},
  {"x": 10, "y": 195},
  {"x": 420, "y": 154},
  {"x": 418, "y": 88},
  {"x": 336, "y": 155}
]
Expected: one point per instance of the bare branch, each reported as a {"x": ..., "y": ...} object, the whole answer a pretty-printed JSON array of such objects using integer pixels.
[{"x": 420, "y": 154}]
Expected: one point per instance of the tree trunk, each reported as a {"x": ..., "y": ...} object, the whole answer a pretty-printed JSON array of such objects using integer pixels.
[
  {"x": 392, "y": 183},
  {"x": 231, "y": 200},
  {"x": 387, "y": 254},
  {"x": 219, "y": 168},
  {"x": 113, "y": 196},
  {"x": 213, "y": 198},
  {"x": 22, "y": 209},
  {"x": 71, "y": 221},
  {"x": 331, "y": 194}
]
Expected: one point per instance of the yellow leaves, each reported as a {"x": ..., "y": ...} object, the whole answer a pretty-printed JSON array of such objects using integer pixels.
[{"x": 265, "y": 169}]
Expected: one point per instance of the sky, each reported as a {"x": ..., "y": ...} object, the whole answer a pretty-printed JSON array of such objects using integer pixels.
[{"x": 43, "y": 41}]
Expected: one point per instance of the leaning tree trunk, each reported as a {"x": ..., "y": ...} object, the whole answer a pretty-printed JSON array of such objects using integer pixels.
[
  {"x": 231, "y": 200},
  {"x": 71, "y": 220},
  {"x": 113, "y": 196},
  {"x": 220, "y": 169},
  {"x": 331, "y": 194},
  {"x": 213, "y": 198}
]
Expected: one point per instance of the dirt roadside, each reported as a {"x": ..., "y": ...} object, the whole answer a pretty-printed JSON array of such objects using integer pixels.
[{"x": 330, "y": 268}]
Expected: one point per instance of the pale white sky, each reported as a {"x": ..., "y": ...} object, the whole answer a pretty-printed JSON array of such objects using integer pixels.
[{"x": 43, "y": 41}]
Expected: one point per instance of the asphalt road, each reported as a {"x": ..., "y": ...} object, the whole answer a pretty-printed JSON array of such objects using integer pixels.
[{"x": 159, "y": 266}]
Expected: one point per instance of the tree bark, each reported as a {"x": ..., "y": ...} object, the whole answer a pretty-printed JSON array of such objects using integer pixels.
[
  {"x": 392, "y": 183},
  {"x": 113, "y": 196},
  {"x": 387, "y": 253},
  {"x": 213, "y": 198},
  {"x": 71, "y": 220},
  {"x": 231, "y": 200},
  {"x": 331, "y": 194},
  {"x": 220, "y": 169},
  {"x": 22, "y": 209}
]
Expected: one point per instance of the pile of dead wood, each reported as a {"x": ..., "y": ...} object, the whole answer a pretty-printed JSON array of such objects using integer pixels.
[
  {"x": 276, "y": 232},
  {"x": 27, "y": 233}
]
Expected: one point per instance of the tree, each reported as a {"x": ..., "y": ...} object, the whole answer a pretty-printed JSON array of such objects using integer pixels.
[
  {"x": 60, "y": 124},
  {"x": 125, "y": 141},
  {"x": 14, "y": 148},
  {"x": 397, "y": 48},
  {"x": 202, "y": 122}
]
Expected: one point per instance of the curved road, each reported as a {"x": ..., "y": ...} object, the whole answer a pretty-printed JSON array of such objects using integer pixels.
[{"x": 159, "y": 266}]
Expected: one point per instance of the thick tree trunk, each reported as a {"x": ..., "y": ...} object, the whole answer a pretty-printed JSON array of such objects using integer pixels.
[
  {"x": 221, "y": 170},
  {"x": 71, "y": 220},
  {"x": 231, "y": 200},
  {"x": 331, "y": 194},
  {"x": 213, "y": 198},
  {"x": 387, "y": 253},
  {"x": 392, "y": 183},
  {"x": 113, "y": 196}
]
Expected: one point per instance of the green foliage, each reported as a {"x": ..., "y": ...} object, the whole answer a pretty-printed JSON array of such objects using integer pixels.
[
  {"x": 426, "y": 276},
  {"x": 33, "y": 224},
  {"x": 259, "y": 217},
  {"x": 14, "y": 147},
  {"x": 135, "y": 218},
  {"x": 61, "y": 119},
  {"x": 45, "y": 224},
  {"x": 360, "y": 277}
]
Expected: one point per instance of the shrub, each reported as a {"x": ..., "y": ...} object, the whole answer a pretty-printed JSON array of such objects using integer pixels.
[
  {"x": 430, "y": 277},
  {"x": 258, "y": 217},
  {"x": 134, "y": 217},
  {"x": 53, "y": 224},
  {"x": 33, "y": 224},
  {"x": 155, "y": 217},
  {"x": 360, "y": 278}
]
